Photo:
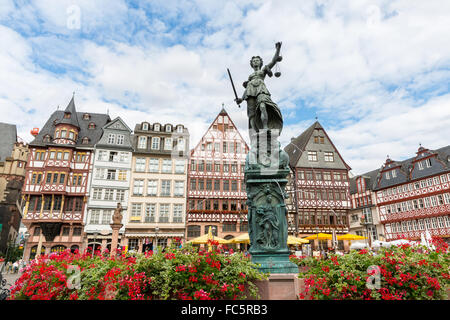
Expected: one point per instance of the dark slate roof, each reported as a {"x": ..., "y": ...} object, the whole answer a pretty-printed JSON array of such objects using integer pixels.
[
  {"x": 408, "y": 169},
  {"x": 297, "y": 145},
  {"x": 370, "y": 179},
  {"x": 8, "y": 134},
  {"x": 94, "y": 135},
  {"x": 70, "y": 109}
]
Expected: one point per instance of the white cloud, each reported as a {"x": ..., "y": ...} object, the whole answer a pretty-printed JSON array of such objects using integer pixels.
[{"x": 374, "y": 73}]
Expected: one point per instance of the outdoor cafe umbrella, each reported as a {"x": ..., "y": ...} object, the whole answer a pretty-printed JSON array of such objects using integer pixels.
[
  {"x": 320, "y": 236},
  {"x": 204, "y": 239},
  {"x": 350, "y": 236},
  {"x": 295, "y": 240},
  {"x": 244, "y": 238}
]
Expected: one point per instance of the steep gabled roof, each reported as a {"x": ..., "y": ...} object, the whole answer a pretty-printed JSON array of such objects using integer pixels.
[
  {"x": 370, "y": 179},
  {"x": 8, "y": 134},
  {"x": 72, "y": 112},
  {"x": 297, "y": 145}
]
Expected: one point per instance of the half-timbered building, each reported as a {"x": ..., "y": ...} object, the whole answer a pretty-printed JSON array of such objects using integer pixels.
[
  {"x": 319, "y": 185},
  {"x": 414, "y": 195},
  {"x": 216, "y": 189},
  {"x": 56, "y": 187}
]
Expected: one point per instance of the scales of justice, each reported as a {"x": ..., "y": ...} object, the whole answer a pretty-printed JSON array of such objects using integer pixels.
[{"x": 266, "y": 171}]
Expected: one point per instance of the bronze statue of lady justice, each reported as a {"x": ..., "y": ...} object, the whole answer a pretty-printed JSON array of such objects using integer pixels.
[{"x": 262, "y": 112}]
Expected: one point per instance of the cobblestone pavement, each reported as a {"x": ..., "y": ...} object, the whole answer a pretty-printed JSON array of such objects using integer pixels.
[{"x": 10, "y": 280}]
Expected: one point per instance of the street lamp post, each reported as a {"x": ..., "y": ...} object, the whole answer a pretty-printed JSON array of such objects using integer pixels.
[
  {"x": 93, "y": 244},
  {"x": 156, "y": 238}
]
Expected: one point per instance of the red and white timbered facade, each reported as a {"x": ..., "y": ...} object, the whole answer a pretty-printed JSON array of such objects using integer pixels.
[
  {"x": 414, "y": 195},
  {"x": 56, "y": 186},
  {"x": 319, "y": 184},
  {"x": 216, "y": 189}
]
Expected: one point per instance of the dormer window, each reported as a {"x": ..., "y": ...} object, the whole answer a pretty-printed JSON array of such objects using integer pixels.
[
  {"x": 156, "y": 127},
  {"x": 145, "y": 126},
  {"x": 91, "y": 125},
  {"x": 180, "y": 129},
  {"x": 86, "y": 116},
  {"x": 47, "y": 138},
  {"x": 85, "y": 140},
  {"x": 67, "y": 115},
  {"x": 168, "y": 128}
]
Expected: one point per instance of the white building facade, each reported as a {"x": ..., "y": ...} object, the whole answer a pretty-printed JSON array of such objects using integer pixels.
[{"x": 109, "y": 185}]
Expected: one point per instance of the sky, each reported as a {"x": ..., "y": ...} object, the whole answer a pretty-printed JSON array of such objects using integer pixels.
[{"x": 376, "y": 74}]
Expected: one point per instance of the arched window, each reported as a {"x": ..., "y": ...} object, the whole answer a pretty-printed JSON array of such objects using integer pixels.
[
  {"x": 34, "y": 250},
  {"x": 91, "y": 125},
  {"x": 58, "y": 248},
  {"x": 85, "y": 140},
  {"x": 86, "y": 116}
]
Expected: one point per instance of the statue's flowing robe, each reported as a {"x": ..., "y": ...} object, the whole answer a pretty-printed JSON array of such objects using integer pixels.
[{"x": 256, "y": 88}]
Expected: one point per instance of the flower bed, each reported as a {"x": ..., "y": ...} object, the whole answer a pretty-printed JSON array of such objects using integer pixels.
[
  {"x": 184, "y": 273},
  {"x": 396, "y": 273}
]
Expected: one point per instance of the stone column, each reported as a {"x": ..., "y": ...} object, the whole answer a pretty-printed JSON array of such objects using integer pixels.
[{"x": 115, "y": 237}]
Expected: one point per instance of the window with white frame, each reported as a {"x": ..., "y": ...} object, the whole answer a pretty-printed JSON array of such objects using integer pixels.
[
  {"x": 179, "y": 166},
  {"x": 165, "y": 187},
  {"x": 96, "y": 194},
  {"x": 420, "y": 165},
  {"x": 168, "y": 128},
  {"x": 167, "y": 166},
  {"x": 140, "y": 165},
  {"x": 123, "y": 156},
  {"x": 436, "y": 180},
  {"x": 142, "y": 142},
  {"x": 164, "y": 212},
  {"x": 394, "y": 173},
  {"x": 440, "y": 222},
  {"x": 150, "y": 212},
  {"x": 428, "y": 162},
  {"x": 168, "y": 142},
  {"x": 100, "y": 173},
  {"x": 427, "y": 202},
  {"x": 152, "y": 187},
  {"x": 180, "y": 144},
  {"x": 120, "y": 195},
  {"x": 447, "y": 198},
  {"x": 180, "y": 129},
  {"x": 312, "y": 155},
  {"x": 433, "y": 201},
  {"x": 102, "y": 155},
  {"x": 328, "y": 156},
  {"x": 387, "y": 176},
  {"x": 421, "y": 225},
  {"x": 428, "y": 223},
  {"x": 145, "y": 126},
  {"x": 111, "y": 174},
  {"x": 429, "y": 182},
  {"x": 111, "y": 138},
  {"x": 95, "y": 216},
  {"x": 423, "y": 184},
  {"x": 434, "y": 223},
  {"x": 177, "y": 213},
  {"x": 138, "y": 187},
  {"x": 444, "y": 178},
  {"x": 153, "y": 165},
  {"x": 155, "y": 143},
  {"x": 136, "y": 209},
  {"x": 415, "y": 226},
  {"x": 156, "y": 127},
  {"x": 179, "y": 188},
  {"x": 106, "y": 216},
  {"x": 120, "y": 139},
  {"x": 447, "y": 221},
  {"x": 109, "y": 194}
]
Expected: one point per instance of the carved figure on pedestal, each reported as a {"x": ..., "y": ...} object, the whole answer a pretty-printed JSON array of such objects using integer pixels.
[{"x": 117, "y": 216}]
